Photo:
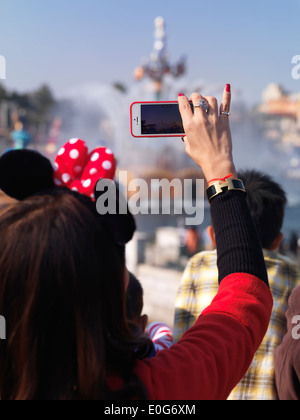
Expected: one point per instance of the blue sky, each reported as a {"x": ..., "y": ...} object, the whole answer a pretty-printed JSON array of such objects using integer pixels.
[{"x": 68, "y": 43}]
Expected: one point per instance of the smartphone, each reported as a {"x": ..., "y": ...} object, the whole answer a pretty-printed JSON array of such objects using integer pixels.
[{"x": 156, "y": 119}]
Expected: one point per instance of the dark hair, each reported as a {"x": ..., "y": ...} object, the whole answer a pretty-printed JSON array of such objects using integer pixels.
[
  {"x": 134, "y": 308},
  {"x": 135, "y": 301},
  {"x": 62, "y": 295},
  {"x": 266, "y": 201}
]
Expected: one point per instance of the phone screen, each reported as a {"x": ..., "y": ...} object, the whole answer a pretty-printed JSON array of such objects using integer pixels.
[{"x": 161, "y": 119}]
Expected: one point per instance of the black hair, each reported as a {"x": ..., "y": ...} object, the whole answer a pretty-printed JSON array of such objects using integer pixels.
[
  {"x": 266, "y": 201},
  {"x": 135, "y": 301},
  {"x": 134, "y": 308}
]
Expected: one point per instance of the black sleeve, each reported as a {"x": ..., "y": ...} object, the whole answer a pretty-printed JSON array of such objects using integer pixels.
[{"x": 238, "y": 245}]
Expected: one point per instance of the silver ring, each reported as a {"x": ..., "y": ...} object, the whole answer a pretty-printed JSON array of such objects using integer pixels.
[
  {"x": 226, "y": 113},
  {"x": 203, "y": 105}
]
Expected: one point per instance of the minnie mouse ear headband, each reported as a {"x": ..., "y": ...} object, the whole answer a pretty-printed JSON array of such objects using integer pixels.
[
  {"x": 25, "y": 172},
  {"x": 79, "y": 170}
]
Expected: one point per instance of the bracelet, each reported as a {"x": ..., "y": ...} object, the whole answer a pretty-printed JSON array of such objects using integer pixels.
[{"x": 219, "y": 187}]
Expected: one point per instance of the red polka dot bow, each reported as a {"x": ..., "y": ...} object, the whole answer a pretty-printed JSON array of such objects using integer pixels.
[{"x": 80, "y": 170}]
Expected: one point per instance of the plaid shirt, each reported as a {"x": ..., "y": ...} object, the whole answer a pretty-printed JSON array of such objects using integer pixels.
[{"x": 198, "y": 288}]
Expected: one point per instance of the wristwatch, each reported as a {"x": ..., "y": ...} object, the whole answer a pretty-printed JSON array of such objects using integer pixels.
[{"x": 219, "y": 187}]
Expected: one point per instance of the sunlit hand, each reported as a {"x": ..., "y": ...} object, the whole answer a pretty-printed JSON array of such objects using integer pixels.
[{"x": 208, "y": 137}]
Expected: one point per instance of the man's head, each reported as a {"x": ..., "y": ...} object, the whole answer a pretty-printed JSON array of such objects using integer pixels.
[{"x": 266, "y": 201}]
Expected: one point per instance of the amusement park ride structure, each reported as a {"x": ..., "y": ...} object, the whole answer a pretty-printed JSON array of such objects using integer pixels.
[{"x": 157, "y": 66}]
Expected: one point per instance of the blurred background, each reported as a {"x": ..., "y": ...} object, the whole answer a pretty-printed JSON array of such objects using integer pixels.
[{"x": 72, "y": 69}]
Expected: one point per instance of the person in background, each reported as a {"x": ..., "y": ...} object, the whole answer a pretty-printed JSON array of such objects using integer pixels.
[
  {"x": 192, "y": 241},
  {"x": 293, "y": 243},
  {"x": 160, "y": 333},
  {"x": 20, "y": 137},
  {"x": 287, "y": 355},
  {"x": 266, "y": 201}
]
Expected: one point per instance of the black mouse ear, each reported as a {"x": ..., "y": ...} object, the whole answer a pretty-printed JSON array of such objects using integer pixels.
[
  {"x": 121, "y": 225},
  {"x": 25, "y": 172}
]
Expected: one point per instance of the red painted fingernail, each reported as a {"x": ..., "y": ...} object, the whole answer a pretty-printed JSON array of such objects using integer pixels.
[
  {"x": 181, "y": 94},
  {"x": 228, "y": 88}
]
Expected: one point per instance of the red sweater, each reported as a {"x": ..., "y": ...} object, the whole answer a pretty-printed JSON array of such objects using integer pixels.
[{"x": 214, "y": 355}]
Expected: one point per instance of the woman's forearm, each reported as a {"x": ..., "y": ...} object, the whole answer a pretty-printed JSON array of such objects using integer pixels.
[{"x": 238, "y": 246}]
